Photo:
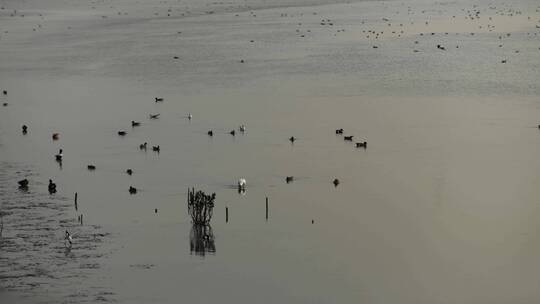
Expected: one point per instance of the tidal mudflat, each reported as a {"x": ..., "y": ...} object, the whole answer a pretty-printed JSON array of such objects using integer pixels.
[{"x": 439, "y": 206}]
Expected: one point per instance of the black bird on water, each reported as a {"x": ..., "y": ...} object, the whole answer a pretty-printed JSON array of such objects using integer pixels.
[
  {"x": 156, "y": 149},
  {"x": 348, "y": 138},
  {"x": 339, "y": 131},
  {"x": 336, "y": 182},
  {"x": 210, "y": 133},
  {"x": 129, "y": 171},
  {"x": 289, "y": 179},
  {"x": 361, "y": 145},
  {"x": 52, "y": 187},
  {"x": 122, "y": 133},
  {"x": 154, "y": 116},
  {"x": 132, "y": 190},
  {"x": 292, "y": 139},
  {"x": 91, "y": 167},
  {"x": 135, "y": 123},
  {"x": 24, "y": 129},
  {"x": 158, "y": 99},
  {"x": 143, "y": 146},
  {"x": 23, "y": 184},
  {"x": 233, "y": 132}
]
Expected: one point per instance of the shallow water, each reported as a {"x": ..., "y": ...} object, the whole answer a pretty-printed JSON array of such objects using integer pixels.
[{"x": 440, "y": 208}]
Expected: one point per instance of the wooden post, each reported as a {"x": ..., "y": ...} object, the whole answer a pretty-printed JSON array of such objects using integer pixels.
[
  {"x": 226, "y": 214},
  {"x": 76, "y": 207},
  {"x": 81, "y": 219},
  {"x": 267, "y": 208}
]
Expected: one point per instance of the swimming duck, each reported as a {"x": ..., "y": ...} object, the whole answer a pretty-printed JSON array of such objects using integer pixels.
[
  {"x": 158, "y": 99},
  {"x": 348, "y": 138},
  {"x": 210, "y": 133},
  {"x": 129, "y": 171},
  {"x": 292, "y": 139},
  {"x": 122, "y": 133},
  {"x": 232, "y": 133},
  {"x": 52, "y": 187},
  {"x": 23, "y": 183},
  {"x": 336, "y": 182},
  {"x": 55, "y": 136},
  {"x": 132, "y": 190},
  {"x": 155, "y": 148},
  {"x": 24, "y": 129},
  {"x": 339, "y": 131},
  {"x": 361, "y": 145},
  {"x": 59, "y": 156},
  {"x": 135, "y": 123},
  {"x": 154, "y": 116},
  {"x": 289, "y": 179},
  {"x": 91, "y": 167},
  {"x": 143, "y": 146}
]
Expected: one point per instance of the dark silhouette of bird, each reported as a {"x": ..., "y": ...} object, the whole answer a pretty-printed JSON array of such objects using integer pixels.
[
  {"x": 156, "y": 149},
  {"x": 348, "y": 138},
  {"x": 135, "y": 123},
  {"x": 122, "y": 133},
  {"x": 143, "y": 146},
  {"x": 132, "y": 190},
  {"x": 336, "y": 182},
  {"x": 289, "y": 179},
  {"x": 339, "y": 131},
  {"x": 91, "y": 167},
  {"x": 59, "y": 156},
  {"x": 24, "y": 129},
  {"x": 23, "y": 184},
  {"x": 55, "y": 136},
  {"x": 158, "y": 99},
  {"x": 292, "y": 139},
  {"x": 51, "y": 187},
  {"x": 233, "y": 133},
  {"x": 210, "y": 133},
  {"x": 154, "y": 116},
  {"x": 129, "y": 171},
  {"x": 361, "y": 144}
]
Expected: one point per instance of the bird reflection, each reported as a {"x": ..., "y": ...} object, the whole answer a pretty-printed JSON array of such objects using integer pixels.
[{"x": 201, "y": 240}]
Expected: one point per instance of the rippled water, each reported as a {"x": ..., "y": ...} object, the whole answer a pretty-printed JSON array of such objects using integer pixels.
[{"x": 33, "y": 257}]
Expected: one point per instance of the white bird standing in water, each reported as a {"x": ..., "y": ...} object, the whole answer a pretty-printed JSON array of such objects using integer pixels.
[{"x": 242, "y": 184}]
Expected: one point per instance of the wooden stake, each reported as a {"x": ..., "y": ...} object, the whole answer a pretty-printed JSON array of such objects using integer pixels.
[
  {"x": 226, "y": 214},
  {"x": 267, "y": 208}
]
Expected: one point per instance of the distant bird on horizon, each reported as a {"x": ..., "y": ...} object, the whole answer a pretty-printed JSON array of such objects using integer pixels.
[
  {"x": 129, "y": 171},
  {"x": 210, "y": 133},
  {"x": 289, "y": 179},
  {"x": 348, "y": 138},
  {"x": 154, "y": 116},
  {"x": 24, "y": 129},
  {"x": 135, "y": 123},
  {"x": 143, "y": 146},
  {"x": 361, "y": 144},
  {"x": 233, "y": 133},
  {"x": 55, "y": 136},
  {"x": 158, "y": 99},
  {"x": 91, "y": 167},
  {"x": 132, "y": 190},
  {"x": 339, "y": 131},
  {"x": 336, "y": 182},
  {"x": 292, "y": 139},
  {"x": 122, "y": 133}
]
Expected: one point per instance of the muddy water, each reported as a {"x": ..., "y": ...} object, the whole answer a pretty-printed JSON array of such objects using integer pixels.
[{"x": 440, "y": 208}]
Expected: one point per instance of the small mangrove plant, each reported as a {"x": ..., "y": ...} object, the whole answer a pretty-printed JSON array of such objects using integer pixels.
[{"x": 200, "y": 206}]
